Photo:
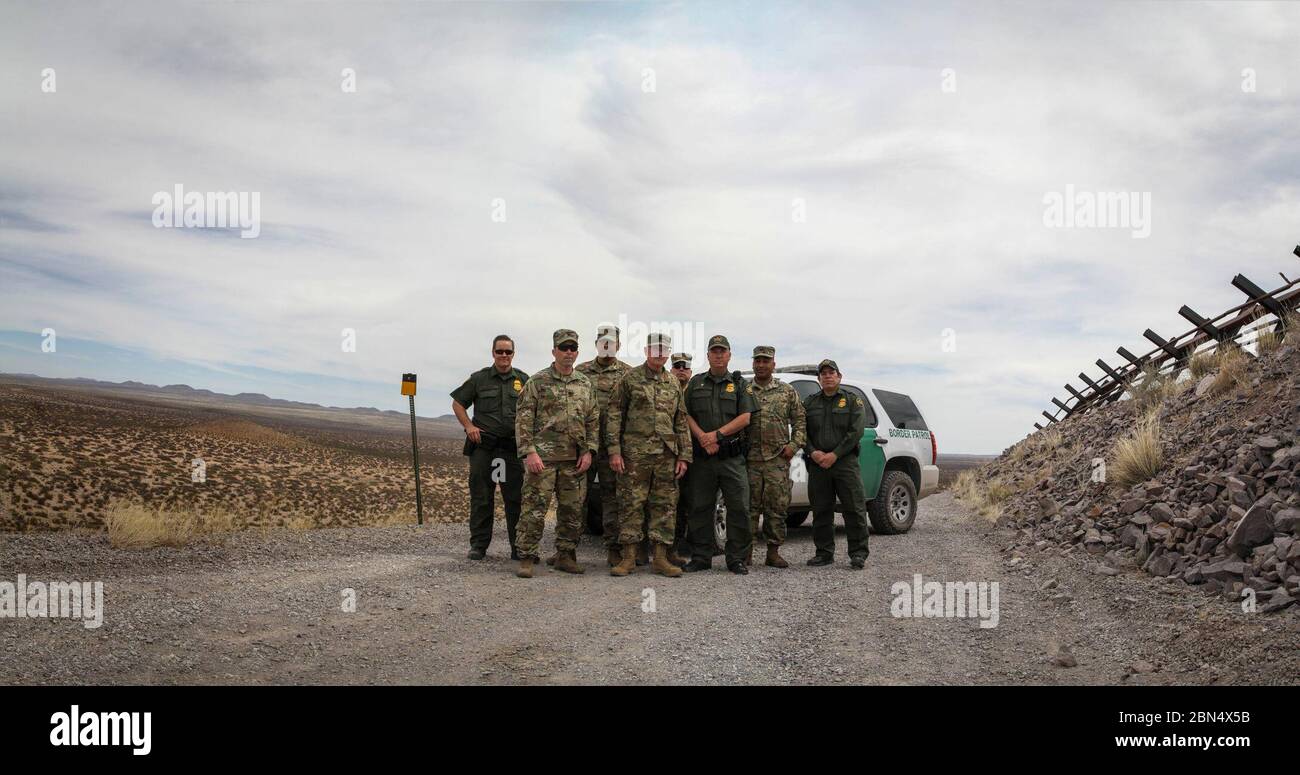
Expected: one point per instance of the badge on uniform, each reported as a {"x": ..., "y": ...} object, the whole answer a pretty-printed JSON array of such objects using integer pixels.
[
  {"x": 841, "y": 403},
  {"x": 749, "y": 389},
  {"x": 518, "y": 385},
  {"x": 731, "y": 387}
]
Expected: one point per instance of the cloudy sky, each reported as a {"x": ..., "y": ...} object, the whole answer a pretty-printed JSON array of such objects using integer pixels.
[{"x": 845, "y": 180}]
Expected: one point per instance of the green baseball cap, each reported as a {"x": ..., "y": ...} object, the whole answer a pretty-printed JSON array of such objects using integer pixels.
[
  {"x": 828, "y": 364},
  {"x": 718, "y": 340}
]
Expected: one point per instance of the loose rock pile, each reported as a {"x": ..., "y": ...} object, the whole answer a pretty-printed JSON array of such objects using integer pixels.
[{"x": 1223, "y": 512}]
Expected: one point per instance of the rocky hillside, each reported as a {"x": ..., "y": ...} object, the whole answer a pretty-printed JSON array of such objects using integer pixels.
[{"x": 1194, "y": 477}]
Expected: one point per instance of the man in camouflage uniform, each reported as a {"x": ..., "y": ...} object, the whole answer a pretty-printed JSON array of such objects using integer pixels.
[
  {"x": 604, "y": 371},
  {"x": 649, "y": 447},
  {"x": 775, "y": 433},
  {"x": 556, "y": 427},
  {"x": 489, "y": 438},
  {"x": 681, "y": 552},
  {"x": 836, "y": 419},
  {"x": 719, "y": 405}
]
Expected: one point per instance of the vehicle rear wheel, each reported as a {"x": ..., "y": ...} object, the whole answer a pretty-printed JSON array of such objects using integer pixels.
[
  {"x": 893, "y": 510},
  {"x": 795, "y": 518}
]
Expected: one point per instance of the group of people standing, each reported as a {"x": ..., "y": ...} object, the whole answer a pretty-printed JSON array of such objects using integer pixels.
[{"x": 654, "y": 447}]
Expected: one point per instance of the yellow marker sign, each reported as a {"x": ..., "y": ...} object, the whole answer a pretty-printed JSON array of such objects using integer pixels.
[{"x": 408, "y": 384}]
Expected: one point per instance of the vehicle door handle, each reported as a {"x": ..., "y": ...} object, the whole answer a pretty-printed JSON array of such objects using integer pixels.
[{"x": 881, "y": 442}]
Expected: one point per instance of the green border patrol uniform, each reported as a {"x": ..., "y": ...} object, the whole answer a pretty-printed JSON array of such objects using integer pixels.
[
  {"x": 713, "y": 402},
  {"x": 835, "y": 424},
  {"x": 493, "y": 396}
]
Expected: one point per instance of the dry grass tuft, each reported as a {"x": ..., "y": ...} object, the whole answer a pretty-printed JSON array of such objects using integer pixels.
[
  {"x": 1151, "y": 392},
  {"x": 1201, "y": 364},
  {"x": 986, "y": 500},
  {"x": 1231, "y": 370},
  {"x": 1268, "y": 341},
  {"x": 133, "y": 525},
  {"x": 1138, "y": 456}
]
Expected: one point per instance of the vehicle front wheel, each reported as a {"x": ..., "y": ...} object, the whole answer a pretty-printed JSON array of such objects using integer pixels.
[{"x": 894, "y": 508}]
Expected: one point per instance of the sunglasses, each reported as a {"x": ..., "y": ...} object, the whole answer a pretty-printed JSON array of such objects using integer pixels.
[
  {"x": 681, "y": 365},
  {"x": 504, "y": 352},
  {"x": 568, "y": 347}
]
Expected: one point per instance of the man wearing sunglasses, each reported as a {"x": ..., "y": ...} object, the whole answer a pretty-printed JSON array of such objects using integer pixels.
[
  {"x": 490, "y": 444},
  {"x": 604, "y": 371},
  {"x": 556, "y": 425},
  {"x": 649, "y": 448}
]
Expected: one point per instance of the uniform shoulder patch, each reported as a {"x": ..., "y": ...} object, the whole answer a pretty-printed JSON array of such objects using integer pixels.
[
  {"x": 857, "y": 401},
  {"x": 749, "y": 389}
]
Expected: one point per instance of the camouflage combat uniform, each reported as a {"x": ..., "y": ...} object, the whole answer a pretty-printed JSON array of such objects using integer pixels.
[
  {"x": 557, "y": 418},
  {"x": 778, "y": 423},
  {"x": 647, "y": 426},
  {"x": 603, "y": 379}
]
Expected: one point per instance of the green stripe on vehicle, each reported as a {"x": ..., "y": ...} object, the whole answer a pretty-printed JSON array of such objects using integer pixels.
[{"x": 871, "y": 463}]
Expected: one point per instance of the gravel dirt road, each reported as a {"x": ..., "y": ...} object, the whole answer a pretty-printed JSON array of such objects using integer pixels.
[{"x": 266, "y": 607}]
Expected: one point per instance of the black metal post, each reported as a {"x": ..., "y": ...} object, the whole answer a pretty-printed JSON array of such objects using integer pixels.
[{"x": 415, "y": 450}]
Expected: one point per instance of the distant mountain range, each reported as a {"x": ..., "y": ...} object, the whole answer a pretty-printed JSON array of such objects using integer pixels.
[{"x": 185, "y": 391}]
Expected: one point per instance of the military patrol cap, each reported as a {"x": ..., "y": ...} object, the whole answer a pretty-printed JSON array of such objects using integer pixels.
[
  {"x": 607, "y": 332},
  {"x": 765, "y": 351},
  {"x": 564, "y": 335},
  {"x": 828, "y": 364},
  {"x": 718, "y": 340},
  {"x": 682, "y": 357},
  {"x": 658, "y": 339}
]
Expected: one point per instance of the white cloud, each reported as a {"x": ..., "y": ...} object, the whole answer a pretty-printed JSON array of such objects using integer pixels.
[{"x": 924, "y": 209}]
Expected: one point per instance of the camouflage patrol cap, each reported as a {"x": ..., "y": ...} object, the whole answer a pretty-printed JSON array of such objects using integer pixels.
[
  {"x": 682, "y": 357},
  {"x": 828, "y": 364},
  {"x": 564, "y": 335},
  {"x": 657, "y": 339},
  {"x": 607, "y": 332},
  {"x": 765, "y": 351},
  {"x": 718, "y": 340}
]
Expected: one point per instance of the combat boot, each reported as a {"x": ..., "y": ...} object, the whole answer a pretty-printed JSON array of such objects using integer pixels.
[
  {"x": 525, "y": 568},
  {"x": 642, "y": 553},
  {"x": 627, "y": 562},
  {"x": 661, "y": 565},
  {"x": 774, "y": 558},
  {"x": 567, "y": 561},
  {"x": 675, "y": 558},
  {"x": 551, "y": 560},
  {"x": 615, "y": 556}
]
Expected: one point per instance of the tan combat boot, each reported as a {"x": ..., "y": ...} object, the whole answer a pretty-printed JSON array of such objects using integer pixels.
[
  {"x": 525, "y": 568},
  {"x": 567, "y": 561},
  {"x": 661, "y": 565},
  {"x": 615, "y": 556},
  {"x": 774, "y": 558},
  {"x": 675, "y": 558},
  {"x": 643, "y": 553},
  {"x": 551, "y": 560},
  {"x": 627, "y": 563}
]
